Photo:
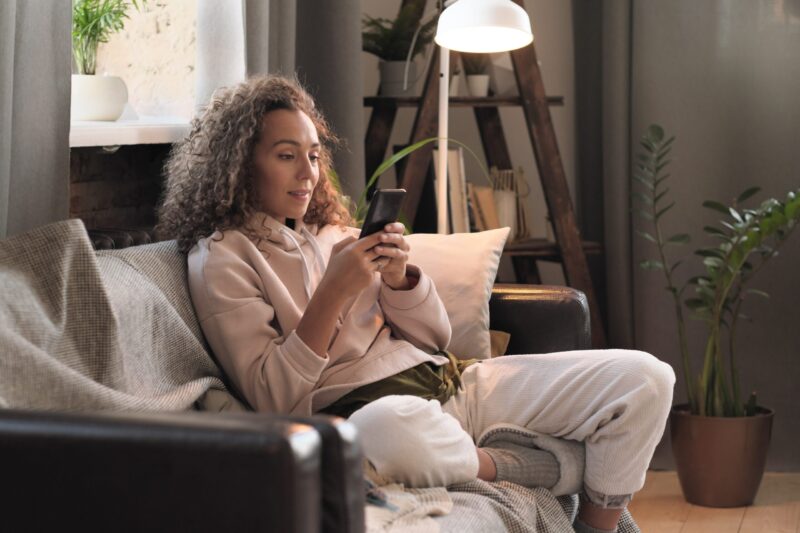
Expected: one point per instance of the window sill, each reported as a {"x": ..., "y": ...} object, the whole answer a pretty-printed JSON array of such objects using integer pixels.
[{"x": 144, "y": 130}]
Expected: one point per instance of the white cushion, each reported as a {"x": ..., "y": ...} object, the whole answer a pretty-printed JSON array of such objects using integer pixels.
[{"x": 463, "y": 266}]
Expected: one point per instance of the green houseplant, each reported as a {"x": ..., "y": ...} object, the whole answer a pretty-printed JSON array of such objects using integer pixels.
[
  {"x": 93, "y": 22},
  {"x": 396, "y": 43},
  {"x": 744, "y": 240}
]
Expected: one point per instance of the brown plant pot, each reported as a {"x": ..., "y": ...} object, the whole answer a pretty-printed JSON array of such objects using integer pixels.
[{"x": 720, "y": 460}]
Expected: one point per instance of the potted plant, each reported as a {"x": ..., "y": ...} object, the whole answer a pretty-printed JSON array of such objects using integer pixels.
[
  {"x": 93, "y": 22},
  {"x": 476, "y": 68},
  {"x": 719, "y": 437},
  {"x": 396, "y": 42}
]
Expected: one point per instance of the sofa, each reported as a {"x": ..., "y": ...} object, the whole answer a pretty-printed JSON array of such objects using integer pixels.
[{"x": 114, "y": 415}]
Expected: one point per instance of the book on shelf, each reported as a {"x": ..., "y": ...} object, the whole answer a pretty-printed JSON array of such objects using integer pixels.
[
  {"x": 456, "y": 189},
  {"x": 483, "y": 207}
]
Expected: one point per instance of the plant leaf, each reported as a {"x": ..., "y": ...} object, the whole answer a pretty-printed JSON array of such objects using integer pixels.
[
  {"x": 716, "y": 206},
  {"x": 709, "y": 252},
  {"x": 735, "y": 214},
  {"x": 696, "y": 304},
  {"x": 757, "y": 293},
  {"x": 664, "y": 210},
  {"x": 660, "y": 195},
  {"x": 714, "y": 231},
  {"x": 646, "y": 214},
  {"x": 652, "y": 265},
  {"x": 747, "y": 194},
  {"x": 645, "y": 199},
  {"x": 647, "y": 236},
  {"x": 680, "y": 238}
]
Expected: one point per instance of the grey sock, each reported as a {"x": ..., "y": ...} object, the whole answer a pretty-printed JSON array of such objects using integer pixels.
[
  {"x": 524, "y": 465},
  {"x": 580, "y": 527}
]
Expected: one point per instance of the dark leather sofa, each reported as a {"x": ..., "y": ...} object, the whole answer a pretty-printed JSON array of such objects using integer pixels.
[{"x": 192, "y": 471}]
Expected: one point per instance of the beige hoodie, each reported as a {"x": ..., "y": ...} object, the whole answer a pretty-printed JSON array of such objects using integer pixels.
[{"x": 249, "y": 297}]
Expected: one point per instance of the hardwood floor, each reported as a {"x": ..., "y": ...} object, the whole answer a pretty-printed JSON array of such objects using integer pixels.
[{"x": 660, "y": 508}]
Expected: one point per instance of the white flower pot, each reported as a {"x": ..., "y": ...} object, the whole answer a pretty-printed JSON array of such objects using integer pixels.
[
  {"x": 97, "y": 97},
  {"x": 478, "y": 84},
  {"x": 392, "y": 74}
]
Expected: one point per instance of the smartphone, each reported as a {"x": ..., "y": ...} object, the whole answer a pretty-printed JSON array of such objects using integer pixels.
[{"x": 383, "y": 209}]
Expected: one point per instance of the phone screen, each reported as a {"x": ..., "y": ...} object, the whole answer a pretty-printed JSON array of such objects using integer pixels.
[{"x": 383, "y": 209}]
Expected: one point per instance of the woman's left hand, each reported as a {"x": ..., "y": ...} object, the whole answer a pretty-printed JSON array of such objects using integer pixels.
[{"x": 392, "y": 256}]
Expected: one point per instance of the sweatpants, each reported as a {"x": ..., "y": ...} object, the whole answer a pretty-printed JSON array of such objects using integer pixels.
[{"x": 615, "y": 402}]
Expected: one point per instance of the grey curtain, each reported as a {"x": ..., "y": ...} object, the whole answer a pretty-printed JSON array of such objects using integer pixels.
[
  {"x": 35, "y": 68},
  {"x": 321, "y": 41},
  {"x": 723, "y": 76}
]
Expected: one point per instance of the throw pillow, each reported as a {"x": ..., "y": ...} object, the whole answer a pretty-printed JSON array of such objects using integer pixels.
[{"x": 463, "y": 266}]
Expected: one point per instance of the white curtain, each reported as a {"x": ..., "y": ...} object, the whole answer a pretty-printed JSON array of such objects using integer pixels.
[
  {"x": 319, "y": 40},
  {"x": 35, "y": 68}
]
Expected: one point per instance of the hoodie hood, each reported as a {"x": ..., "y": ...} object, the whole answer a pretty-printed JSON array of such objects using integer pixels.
[{"x": 269, "y": 228}]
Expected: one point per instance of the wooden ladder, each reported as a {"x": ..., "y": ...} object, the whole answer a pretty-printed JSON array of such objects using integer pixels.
[{"x": 568, "y": 248}]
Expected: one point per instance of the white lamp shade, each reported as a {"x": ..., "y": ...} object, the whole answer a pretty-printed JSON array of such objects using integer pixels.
[{"x": 483, "y": 26}]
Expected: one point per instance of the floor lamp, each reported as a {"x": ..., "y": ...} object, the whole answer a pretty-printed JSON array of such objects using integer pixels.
[{"x": 483, "y": 26}]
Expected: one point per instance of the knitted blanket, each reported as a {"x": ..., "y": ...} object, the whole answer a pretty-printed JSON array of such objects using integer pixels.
[
  {"x": 85, "y": 331},
  {"x": 477, "y": 506}
]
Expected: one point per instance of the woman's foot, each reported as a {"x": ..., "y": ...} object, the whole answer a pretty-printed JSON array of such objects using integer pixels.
[{"x": 523, "y": 465}]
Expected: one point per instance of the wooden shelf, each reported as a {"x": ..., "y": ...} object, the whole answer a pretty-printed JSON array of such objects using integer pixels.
[
  {"x": 545, "y": 250},
  {"x": 455, "y": 101}
]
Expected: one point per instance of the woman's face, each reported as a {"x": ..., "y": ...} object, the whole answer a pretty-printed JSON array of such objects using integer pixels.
[{"x": 286, "y": 161}]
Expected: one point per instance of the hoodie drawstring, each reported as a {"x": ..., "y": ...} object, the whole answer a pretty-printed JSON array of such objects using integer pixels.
[{"x": 317, "y": 252}]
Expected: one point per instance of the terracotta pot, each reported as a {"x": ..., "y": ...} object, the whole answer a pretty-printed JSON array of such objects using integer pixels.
[{"x": 720, "y": 460}]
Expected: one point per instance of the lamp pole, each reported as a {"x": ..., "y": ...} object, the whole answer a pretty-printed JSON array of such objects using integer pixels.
[{"x": 441, "y": 161}]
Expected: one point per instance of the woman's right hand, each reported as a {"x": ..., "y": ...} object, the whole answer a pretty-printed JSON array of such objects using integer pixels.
[{"x": 352, "y": 265}]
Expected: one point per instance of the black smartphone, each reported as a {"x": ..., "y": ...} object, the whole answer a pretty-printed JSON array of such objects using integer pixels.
[{"x": 383, "y": 209}]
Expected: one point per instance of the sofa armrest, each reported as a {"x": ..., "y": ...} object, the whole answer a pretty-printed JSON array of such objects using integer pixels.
[
  {"x": 183, "y": 471},
  {"x": 342, "y": 473},
  {"x": 540, "y": 318}
]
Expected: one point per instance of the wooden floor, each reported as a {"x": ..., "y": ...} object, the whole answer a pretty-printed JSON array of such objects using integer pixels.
[{"x": 660, "y": 508}]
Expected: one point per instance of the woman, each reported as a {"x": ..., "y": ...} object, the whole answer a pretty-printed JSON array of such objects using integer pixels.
[{"x": 304, "y": 318}]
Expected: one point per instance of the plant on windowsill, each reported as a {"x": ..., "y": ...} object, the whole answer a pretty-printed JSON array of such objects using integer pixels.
[
  {"x": 396, "y": 43},
  {"x": 93, "y": 22},
  {"x": 719, "y": 439}
]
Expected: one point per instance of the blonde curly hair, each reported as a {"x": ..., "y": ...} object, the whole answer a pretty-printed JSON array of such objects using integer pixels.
[{"x": 210, "y": 174}]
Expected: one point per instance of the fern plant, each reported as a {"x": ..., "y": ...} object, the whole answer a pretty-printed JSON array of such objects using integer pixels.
[
  {"x": 391, "y": 40},
  {"x": 746, "y": 238},
  {"x": 93, "y": 22}
]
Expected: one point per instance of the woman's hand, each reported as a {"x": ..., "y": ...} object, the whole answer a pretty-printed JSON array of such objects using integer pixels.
[
  {"x": 392, "y": 252},
  {"x": 352, "y": 265}
]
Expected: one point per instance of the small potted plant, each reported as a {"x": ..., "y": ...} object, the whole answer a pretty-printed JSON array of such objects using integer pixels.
[
  {"x": 719, "y": 437},
  {"x": 93, "y": 22},
  {"x": 396, "y": 43},
  {"x": 476, "y": 68}
]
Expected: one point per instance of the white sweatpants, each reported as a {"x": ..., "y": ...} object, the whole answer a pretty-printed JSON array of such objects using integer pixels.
[{"x": 615, "y": 401}]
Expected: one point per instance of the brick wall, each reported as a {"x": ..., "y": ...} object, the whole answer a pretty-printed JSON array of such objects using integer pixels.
[{"x": 119, "y": 189}]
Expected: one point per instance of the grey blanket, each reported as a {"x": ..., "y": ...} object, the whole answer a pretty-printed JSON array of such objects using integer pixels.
[
  {"x": 86, "y": 331},
  {"x": 502, "y": 506}
]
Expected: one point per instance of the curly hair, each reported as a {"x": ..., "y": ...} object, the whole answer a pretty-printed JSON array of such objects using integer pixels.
[{"x": 211, "y": 184}]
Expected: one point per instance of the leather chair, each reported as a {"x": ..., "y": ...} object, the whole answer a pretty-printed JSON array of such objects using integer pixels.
[{"x": 191, "y": 471}]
